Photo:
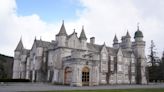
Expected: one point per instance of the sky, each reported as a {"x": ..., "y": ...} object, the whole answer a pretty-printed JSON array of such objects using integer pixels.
[{"x": 102, "y": 19}]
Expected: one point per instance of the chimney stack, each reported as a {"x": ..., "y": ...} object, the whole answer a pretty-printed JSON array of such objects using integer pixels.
[{"x": 92, "y": 40}]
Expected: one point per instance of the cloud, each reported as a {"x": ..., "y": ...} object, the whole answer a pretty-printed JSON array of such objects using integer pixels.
[
  {"x": 105, "y": 18},
  {"x": 13, "y": 27},
  {"x": 101, "y": 18},
  {"x": 6, "y": 8}
]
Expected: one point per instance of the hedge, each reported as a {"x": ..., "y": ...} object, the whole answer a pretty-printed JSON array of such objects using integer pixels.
[{"x": 14, "y": 80}]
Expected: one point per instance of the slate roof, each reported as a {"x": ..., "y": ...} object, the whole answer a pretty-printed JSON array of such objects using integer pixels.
[
  {"x": 82, "y": 35},
  {"x": 112, "y": 51},
  {"x": 90, "y": 46},
  {"x": 115, "y": 39},
  {"x": 97, "y": 48},
  {"x": 94, "y": 47},
  {"x": 138, "y": 33},
  {"x": 71, "y": 34},
  {"x": 128, "y": 35},
  {"x": 45, "y": 44},
  {"x": 62, "y": 31},
  {"x": 19, "y": 46},
  {"x": 25, "y": 51}
]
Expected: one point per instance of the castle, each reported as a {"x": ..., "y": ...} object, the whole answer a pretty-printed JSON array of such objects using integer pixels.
[{"x": 72, "y": 60}]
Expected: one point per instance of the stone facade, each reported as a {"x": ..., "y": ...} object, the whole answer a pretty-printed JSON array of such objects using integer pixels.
[{"x": 74, "y": 61}]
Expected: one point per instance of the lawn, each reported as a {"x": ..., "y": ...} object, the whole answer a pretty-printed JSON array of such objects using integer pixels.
[{"x": 113, "y": 90}]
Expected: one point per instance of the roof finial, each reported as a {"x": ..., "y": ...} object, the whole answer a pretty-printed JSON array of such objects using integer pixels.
[
  {"x": 74, "y": 31},
  {"x": 21, "y": 37},
  {"x": 40, "y": 37},
  {"x": 35, "y": 37},
  {"x": 138, "y": 26},
  {"x": 82, "y": 35},
  {"x": 62, "y": 30},
  {"x": 20, "y": 45},
  {"x": 104, "y": 44},
  {"x": 62, "y": 21},
  {"x": 127, "y": 34},
  {"x": 115, "y": 38}
]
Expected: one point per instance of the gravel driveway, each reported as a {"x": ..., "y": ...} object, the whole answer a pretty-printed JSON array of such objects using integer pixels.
[{"x": 15, "y": 87}]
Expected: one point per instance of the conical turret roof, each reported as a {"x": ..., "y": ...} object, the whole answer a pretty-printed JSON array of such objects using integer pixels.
[
  {"x": 62, "y": 31},
  {"x": 115, "y": 39},
  {"x": 19, "y": 46},
  {"x": 128, "y": 35},
  {"x": 82, "y": 35}
]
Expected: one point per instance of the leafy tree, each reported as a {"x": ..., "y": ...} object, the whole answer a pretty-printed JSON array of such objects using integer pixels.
[{"x": 6, "y": 63}]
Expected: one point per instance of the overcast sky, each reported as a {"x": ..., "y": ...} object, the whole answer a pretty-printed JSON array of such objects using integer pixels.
[{"x": 101, "y": 19}]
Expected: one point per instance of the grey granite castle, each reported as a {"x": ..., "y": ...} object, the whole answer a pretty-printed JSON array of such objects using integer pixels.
[{"x": 72, "y": 60}]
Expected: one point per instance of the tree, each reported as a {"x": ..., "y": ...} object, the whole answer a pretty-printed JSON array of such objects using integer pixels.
[
  {"x": 6, "y": 63},
  {"x": 161, "y": 68},
  {"x": 154, "y": 62},
  {"x": 153, "y": 58}
]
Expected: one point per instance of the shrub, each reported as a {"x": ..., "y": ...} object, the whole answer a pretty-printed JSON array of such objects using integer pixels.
[{"x": 14, "y": 80}]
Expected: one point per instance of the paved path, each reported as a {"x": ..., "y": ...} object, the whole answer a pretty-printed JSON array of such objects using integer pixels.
[{"x": 15, "y": 87}]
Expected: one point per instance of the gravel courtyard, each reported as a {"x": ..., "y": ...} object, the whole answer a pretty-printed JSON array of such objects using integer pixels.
[{"x": 15, "y": 87}]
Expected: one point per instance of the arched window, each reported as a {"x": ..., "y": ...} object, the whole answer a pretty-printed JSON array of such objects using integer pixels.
[
  {"x": 85, "y": 76},
  {"x": 67, "y": 77}
]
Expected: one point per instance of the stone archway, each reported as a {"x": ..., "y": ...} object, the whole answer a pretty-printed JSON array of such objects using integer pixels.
[
  {"x": 67, "y": 75},
  {"x": 85, "y": 76}
]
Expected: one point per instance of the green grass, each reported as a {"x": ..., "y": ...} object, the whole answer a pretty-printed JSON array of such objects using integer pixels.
[{"x": 113, "y": 90}]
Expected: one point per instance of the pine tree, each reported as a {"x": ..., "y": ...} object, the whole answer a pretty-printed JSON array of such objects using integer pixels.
[
  {"x": 161, "y": 68},
  {"x": 152, "y": 55},
  {"x": 153, "y": 69}
]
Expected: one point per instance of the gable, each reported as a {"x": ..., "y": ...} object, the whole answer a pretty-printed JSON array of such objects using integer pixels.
[
  {"x": 132, "y": 55},
  {"x": 73, "y": 41},
  {"x": 33, "y": 46},
  {"x": 104, "y": 49},
  {"x": 119, "y": 53},
  {"x": 104, "y": 53}
]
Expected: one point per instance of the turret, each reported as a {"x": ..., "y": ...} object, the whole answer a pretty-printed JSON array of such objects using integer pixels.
[
  {"x": 138, "y": 36},
  {"x": 61, "y": 36},
  {"x": 115, "y": 42},
  {"x": 19, "y": 46},
  {"x": 128, "y": 41},
  {"x": 17, "y": 60},
  {"x": 83, "y": 38},
  {"x": 128, "y": 36},
  {"x": 23, "y": 63},
  {"x": 37, "y": 59},
  {"x": 139, "y": 44},
  {"x": 139, "y": 51}
]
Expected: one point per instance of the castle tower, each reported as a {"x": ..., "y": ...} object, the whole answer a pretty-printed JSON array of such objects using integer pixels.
[
  {"x": 139, "y": 51},
  {"x": 17, "y": 60},
  {"x": 23, "y": 63},
  {"x": 115, "y": 42},
  {"x": 139, "y": 44},
  {"x": 83, "y": 39},
  {"x": 128, "y": 41},
  {"x": 61, "y": 36}
]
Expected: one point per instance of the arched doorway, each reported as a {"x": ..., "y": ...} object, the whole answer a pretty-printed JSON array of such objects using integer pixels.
[
  {"x": 85, "y": 76},
  {"x": 67, "y": 75}
]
